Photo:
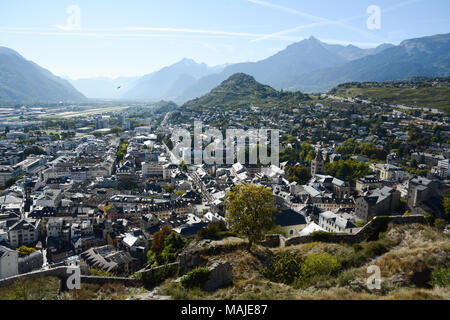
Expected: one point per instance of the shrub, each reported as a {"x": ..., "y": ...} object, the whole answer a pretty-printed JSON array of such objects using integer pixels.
[
  {"x": 318, "y": 265},
  {"x": 285, "y": 268},
  {"x": 101, "y": 273},
  {"x": 151, "y": 259},
  {"x": 360, "y": 223},
  {"x": 440, "y": 277},
  {"x": 373, "y": 249},
  {"x": 157, "y": 275},
  {"x": 25, "y": 251},
  {"x": 212, "y": 231},
  {"x": 378, "y": 224},
  {"x": 441, "y": 224},
  {"x": 320, "y": 236},
  {"x": 357, "y": 247},
  {"x": 428, "y": 218},
  {"x": 173, "y": 246},
  {"x": 196, "y": 278}
]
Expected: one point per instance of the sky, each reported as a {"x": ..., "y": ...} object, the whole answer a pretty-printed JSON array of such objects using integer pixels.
[{"x": 113, "y": 38}]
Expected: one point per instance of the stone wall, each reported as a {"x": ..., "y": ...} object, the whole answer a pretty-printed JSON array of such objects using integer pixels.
[
  {"x": 127, "y": 282},
  {"x": 194, "y": 255},
  {"x": 221, "y": 276},
  {"x": 155, "y": 276},
  {"x": 360, "y": 236},
  {"x": 274, "y": 241},
  {"x": 61, "y": 272}
]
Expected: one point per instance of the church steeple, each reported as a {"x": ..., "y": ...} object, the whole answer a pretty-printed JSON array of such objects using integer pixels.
[{"x": 317, "y": 164}]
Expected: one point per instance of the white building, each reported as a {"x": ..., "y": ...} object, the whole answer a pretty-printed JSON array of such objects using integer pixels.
[
  {"x": 51, "y": 198},
  {"x": 54, "y": 227},
  {"x": 444, "y": 167},
  {"x": 331, "y": 222},
  {"x": 24, "y": 232}
]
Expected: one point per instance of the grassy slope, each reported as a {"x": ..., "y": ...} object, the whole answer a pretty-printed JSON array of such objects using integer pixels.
[
  {"x": 431, "y": 97},
  {"x": 414, "y": 249}
]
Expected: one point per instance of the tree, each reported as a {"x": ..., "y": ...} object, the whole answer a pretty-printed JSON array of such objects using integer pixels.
[
  {"x": 159, "y": 239},
  {"x": 25, "y": 251},
  {"x": 441, "y": 224},
  {"x": 116, "y": 130},
  {"x": 250, "y": 211},
  {"x": 289, "y": 154},
  {"x": 173, "y": 246},
  {"x": 122, "y": 150},
  {"x": 299, "y": 174},
  {"x": 183, "y": 166},
  {"x": 169, "y": 189},
  {"x": 33, "y": 150}
]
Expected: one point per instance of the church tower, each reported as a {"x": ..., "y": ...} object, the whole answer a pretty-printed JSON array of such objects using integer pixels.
[{"x": 317, "y": 164}]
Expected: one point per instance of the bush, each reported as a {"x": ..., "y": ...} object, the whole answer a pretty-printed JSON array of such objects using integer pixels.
[
  {"x": 212, "y": 230},
  {"x": 158, "y": 275},
  {"x": 196, "y": 278},
  {"x": 378, "y": 224},
  {"x": 25, "y": 251},
  {"x": 373, "y": 249},
  {"x": 320, "y": 236},
  {"x": 440, "y": 277},
  {"x": 357, "y": 247},
  {"x": 441, "y": 224},
  {"x": 285, "y": 268},
  {"x": 317, "y": 265},
  {"x": 173, "y": 246},
  {"x": 101, "y": 273},
  {"x": 428, "y": 218}
]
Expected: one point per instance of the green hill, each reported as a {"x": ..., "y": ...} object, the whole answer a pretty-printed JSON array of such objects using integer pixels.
[
  {"x": 241, "y": 90},
  {"x": 423, "y": 95}
]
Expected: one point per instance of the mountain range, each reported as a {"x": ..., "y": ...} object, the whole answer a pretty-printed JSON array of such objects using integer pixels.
[
  {"x": 24, "y": 81},
  {"x": 308, "y": 66}
]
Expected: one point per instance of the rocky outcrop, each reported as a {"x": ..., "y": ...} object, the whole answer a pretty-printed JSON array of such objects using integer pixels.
[
  {"x": 195, "y": 255},
  {"x": 221, "y": 276}
]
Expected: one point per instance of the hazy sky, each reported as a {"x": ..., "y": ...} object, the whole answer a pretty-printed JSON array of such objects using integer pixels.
[{"x": 135, "y": 37}]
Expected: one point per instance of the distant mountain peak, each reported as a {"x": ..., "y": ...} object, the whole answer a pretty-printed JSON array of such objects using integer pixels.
[
  {"x": 25, "y": 81},
  {"x": 187, "y": 62},
  {"x": 240, "y": 76}
]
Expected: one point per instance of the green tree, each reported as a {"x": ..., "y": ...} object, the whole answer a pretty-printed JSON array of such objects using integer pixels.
[
  {"x": 25, "y": 251},
  {"x": 250, "y": 211},
  {"x": 33, "y": 150},
  {"x": 116, "y": 130},
  {"x": 159, "y": 239},
  {"x": 173, "y": 246},
  {"x": 299, "y": 174},
  {"x": 289, "y": 154}
]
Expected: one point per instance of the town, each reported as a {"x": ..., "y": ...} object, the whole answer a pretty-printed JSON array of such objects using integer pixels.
[{"x": 94, "y": 189}]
